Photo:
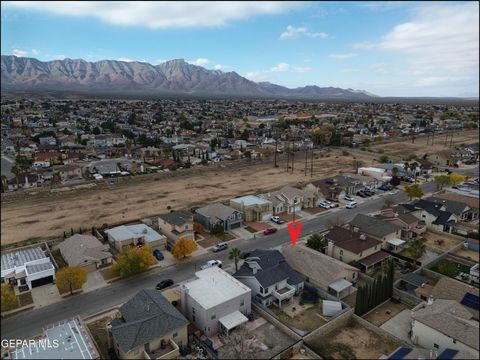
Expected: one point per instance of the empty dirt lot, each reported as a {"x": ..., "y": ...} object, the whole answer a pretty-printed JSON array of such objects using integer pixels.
[{"x": 48, "y": 215}]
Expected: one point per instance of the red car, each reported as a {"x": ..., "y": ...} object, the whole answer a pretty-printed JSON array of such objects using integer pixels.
[{"x": 269, "y": 231}]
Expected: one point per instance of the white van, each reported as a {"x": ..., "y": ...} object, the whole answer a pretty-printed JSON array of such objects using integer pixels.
[{"x": 351, "y": 205}]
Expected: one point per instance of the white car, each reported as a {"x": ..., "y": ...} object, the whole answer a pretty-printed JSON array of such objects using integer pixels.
[
  {"x": 351, "y": 205},
  {"x": 325, "y": 204},
  {"x": 212, "y": 263},
  {"x": 393, "y": 192},
  {"x": 276, "y": 220}
]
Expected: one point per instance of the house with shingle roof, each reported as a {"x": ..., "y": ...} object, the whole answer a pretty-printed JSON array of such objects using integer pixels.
[
  {"x": 385, "y": 231},
  {"x": 176, "y": 225},
  {"x": 150, "y": 327},
  {"x": 270, "y": 277},
  {"x": 435, "y": 215},
  {"x": 289, "y": 199},
  {"x": 411, "y": 226},
  {"x": 443, "y": 324},
  {"x": 213, "y": 214},
  {"x": 85, "y": 251},
  {"x": 350, "y": 245},
  {"x": 322, "y": 270}
]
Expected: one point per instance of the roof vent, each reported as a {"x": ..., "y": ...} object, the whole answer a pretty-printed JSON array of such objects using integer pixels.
[
  {"x": 363, "y": 237},
  {"x": 145, "y": 231}
]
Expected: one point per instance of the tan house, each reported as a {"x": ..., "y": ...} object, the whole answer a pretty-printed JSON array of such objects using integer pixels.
[
  {"x": 85, "y": 251},
  {"x": 253, "y": 208},
  {"x": 289, "y": 199},
  {"x": 135, "y": 235},
  {"x": 411, "y": 226},
  {"x": 176, "y": 225},
  {"x": 382, "y": 230},
  {"x": 352, "y": 245},
  {"x": 322, "y": 270},
  {"x": 150, "y": 327}
]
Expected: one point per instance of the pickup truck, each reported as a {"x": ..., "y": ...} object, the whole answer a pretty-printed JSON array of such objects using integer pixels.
[{"x": 211, "y": 263}]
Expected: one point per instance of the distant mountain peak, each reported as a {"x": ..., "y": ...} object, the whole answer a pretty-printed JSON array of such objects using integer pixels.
[{"x": 175, "y": 76}]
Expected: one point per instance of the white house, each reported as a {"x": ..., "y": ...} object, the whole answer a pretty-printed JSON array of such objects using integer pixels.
[
  {"x": 134, "y": 235},
  {"x": 376, "y": 173},
  {"x": 27, "y": 267},
  {"x": 445, "y": 324},
  {"x": 215, "y": 301}
]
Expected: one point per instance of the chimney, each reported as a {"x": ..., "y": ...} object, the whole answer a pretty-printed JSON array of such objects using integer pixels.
[{"x": 355, "y": 229}]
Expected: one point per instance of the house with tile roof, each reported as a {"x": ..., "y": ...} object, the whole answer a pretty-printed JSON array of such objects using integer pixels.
[
  {"x": 150, "y": 327},
  {"x": 442, "y": 324},
  {"x": 353, "y": 245},
  {"x": 270, "y": 277}
]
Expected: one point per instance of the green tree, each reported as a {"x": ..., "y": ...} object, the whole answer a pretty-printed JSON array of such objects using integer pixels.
[
  {"x": 447, "y": 268},
  {"x": 416, "y": 250},
  {"x": 413, "y": 191},
  {"x": 441, "y": 181},
  {"x": 394, "y": 171},
  {"x": 9, "y": 299},
  {"x": 317, "y": 242},
  {"x": 235, "y": 256},
  {"x": 217, "y": 229},
  {"x": 384, "y": 159},
  {"x": 131, "y": 260}
]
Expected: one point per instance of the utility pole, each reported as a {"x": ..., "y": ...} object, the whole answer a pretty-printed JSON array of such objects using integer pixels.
[
  {"x": 293, "y": 154},
  {"x": 451, "y": 140},
  {"x": 275, "y": 156},
  {"x": 288, "y": 156},
  {"x": 446, "y": 138},
  {"x": 306, "y": 159},
  {"x": 311, "y": 164}
]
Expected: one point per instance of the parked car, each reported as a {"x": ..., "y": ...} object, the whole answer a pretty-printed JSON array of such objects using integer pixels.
[
  {"x": 368, "y": 192},
  {"x": 349, "y": 198},
  {"x": 351, "y": 205},
  {"x": 386, "y": 187},
  {"x": 158, "y": 255},
  {"x": 325, "y": 204},
  {"x": 277, "y": 220},
  {"x": 269, "y": 231},
  {"x": 220, "y": 246},
  {"x": 361, "y": 194},
  {"x": 164, "y": 284},
  {"x": 393, "y": 192},
  {"x": 212, "y": 263}
]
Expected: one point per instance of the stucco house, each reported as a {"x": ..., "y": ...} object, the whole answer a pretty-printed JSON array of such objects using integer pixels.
[
  {"x": 289, "y": 199},
  {"x": 176, "y": 225},
  {"x": 253, "y": 208},
  {"x": 134, "y": 235},
  {"x": 213, "y": 214}
]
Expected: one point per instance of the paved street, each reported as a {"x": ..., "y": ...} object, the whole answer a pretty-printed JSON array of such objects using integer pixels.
[{"x": 29, "y": 323}]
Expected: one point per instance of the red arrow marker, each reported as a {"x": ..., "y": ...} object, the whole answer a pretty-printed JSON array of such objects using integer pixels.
[{"x": 294, "y": 229}]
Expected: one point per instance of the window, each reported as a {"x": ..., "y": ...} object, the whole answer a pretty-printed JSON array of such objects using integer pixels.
[
  {"x": 353, "y": 275},
  {"x": 213, "y": 316},
  {"x": 174, "y": 334},
  {"x": 375, "y": 247},
  {"x": 454, "y": 341},
  {"x": 193, "y": 310},
  {"x": 193, "y": 318},
  {"x": 361, "y": 254},
  {"x": 341, "y": 252},
  {"x": 435, "y": 346},
  {"x": 242, "y": 302}
]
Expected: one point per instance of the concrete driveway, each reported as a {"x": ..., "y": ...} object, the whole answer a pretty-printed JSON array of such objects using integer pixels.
[
  {"x": 399, "y": 325},
  {"x": 95, "y": 281},
  {"x": 45, "y": 295}
]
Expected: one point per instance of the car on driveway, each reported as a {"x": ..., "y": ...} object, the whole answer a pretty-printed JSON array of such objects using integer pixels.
[
  {"x": 349, "y": 198},
  {"x": 361, "y": 194},
  {"x": 325, "y": 204},
  {"x": 158, "y": 255},
  {"x": 277, "y": 220},
  {"x": 393, "y": 192},
  {"x": 212, "y": 263},
  {"x": 164, "y": 284},
  {"x": 269, "y": 231}
]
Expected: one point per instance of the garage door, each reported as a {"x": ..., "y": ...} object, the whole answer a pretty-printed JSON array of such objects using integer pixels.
[
  {"x": 42, "y": 281},
  {"x": 235, "y": 226}
]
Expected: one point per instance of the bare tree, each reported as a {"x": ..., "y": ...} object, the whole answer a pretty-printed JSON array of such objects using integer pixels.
[{"x": 242, "y": 343}]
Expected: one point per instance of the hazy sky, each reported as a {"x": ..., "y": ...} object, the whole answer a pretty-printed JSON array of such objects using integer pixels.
[{"x": 387, "y": 48}]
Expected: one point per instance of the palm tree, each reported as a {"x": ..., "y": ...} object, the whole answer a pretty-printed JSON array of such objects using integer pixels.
[
  {"x": 416, "y": 250},
  {"x": 235, "y": 256},
  {"x": 17, "y": 170}
]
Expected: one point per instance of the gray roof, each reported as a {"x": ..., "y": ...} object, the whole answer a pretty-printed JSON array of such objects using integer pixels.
[
  {"x": 415, "y": 279},
  {"x": 451, "y": 319},
  {"x": 80, "y": 249},
  {"x": 373, "y": 226},
  {"x": 455, "y": 207},
  {"x": 216, "y": 210},
  {"x": 147, "y": 316},
  {"x": 177, "y": 217},
  {"x": 20, "y": 257},
  {"x": 273, "y": 266}
]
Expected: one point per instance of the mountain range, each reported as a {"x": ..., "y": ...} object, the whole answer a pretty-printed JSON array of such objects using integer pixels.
[{"x": 174, "y": 77}]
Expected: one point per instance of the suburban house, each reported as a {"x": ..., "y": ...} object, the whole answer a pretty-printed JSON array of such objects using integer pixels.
[
  {"x": 270, "y": 277},
  {"x": 462, "y": 211},
  {"x": 379, "y": 174},
  {"x": 471, "y": 201},
  {"x": 349, "y": 245},
  {"x": 253, "y": 208},
  {"x": 29, "y": 267},
  {"x": 85, "y": 251},
  {"x": 213, "y": 214},
  {"x": 351, "y": 183},
  {"x": 176, "y": 225},
  {"x": 149, "y": 328},
  {"x": 24, "y": 181},
  {"x": 434, "y": 215},
  {"x": 135, "y": 235},
  {"x": 328, "y": 189},
  {"x": 332, "y": 275},
  {"x": 69, "y": 171},
  {"x": 411, "y": 226},
  {"x": 290, "y": 199},
  {"x": 442, "y": 324},
  {"x": 379, "y": 229},
  {"x": 216, "y": 301},
  {"x": 62, "y": 332}
]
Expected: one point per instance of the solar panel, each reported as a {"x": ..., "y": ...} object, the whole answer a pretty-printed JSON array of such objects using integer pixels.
[
  {"x": 471, "y": 301},
  {"x": 400, "y": 353},
  {"x": 447, "y": 354}
]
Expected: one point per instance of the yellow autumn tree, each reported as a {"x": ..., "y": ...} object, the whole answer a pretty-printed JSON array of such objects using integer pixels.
[
  {"x": 9, "y": 299},
  {"x": 183, "y": 248},
  {"x": 131, "y": 260},
  {"x": 70, "y": 279},
  {"x": 456, "y": 179}
]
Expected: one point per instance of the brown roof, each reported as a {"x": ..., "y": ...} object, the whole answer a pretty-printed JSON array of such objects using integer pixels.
[
  {"x": 375, "y": 258},
  {"x": 467, "y": 200},
  {"x": 450, "y": 289},
  {"x": 350, "y": 240}
]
